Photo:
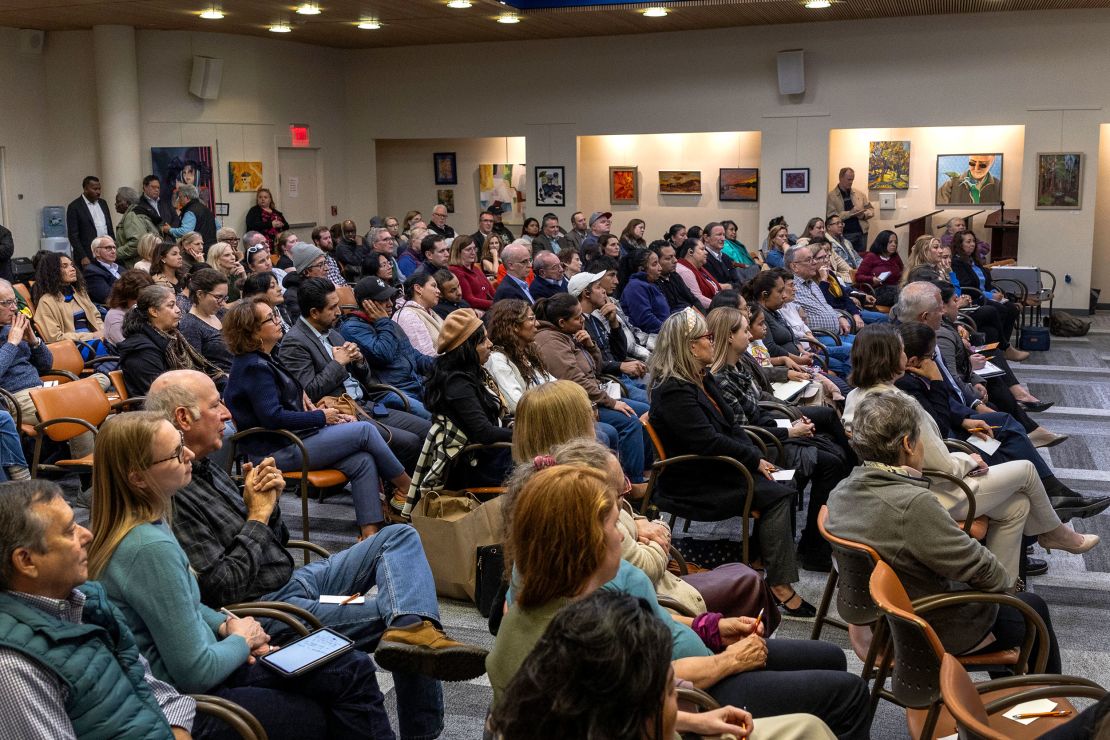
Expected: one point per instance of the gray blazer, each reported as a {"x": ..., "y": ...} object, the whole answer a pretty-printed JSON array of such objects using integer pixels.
[{"x": 302, "y": 354}]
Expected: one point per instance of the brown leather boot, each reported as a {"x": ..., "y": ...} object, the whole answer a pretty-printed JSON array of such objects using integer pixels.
[{"x": 424, "y": 648}]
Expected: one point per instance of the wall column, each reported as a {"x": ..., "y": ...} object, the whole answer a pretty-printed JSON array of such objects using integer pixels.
[{"x": 117, "y": 108}]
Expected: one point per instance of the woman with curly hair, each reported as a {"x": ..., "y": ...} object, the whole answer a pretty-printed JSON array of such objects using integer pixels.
[
  {"x": 63, "y": 308},
  {"x": 514, "y": 362}
]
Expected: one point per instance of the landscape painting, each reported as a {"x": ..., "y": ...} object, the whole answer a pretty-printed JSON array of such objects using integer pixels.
[
  {"x": 888, "y": 165},
  {"x": 1060, "y": 181},
  {"x": 680, "y": 182},
  {"x": 739, "y": 184}
]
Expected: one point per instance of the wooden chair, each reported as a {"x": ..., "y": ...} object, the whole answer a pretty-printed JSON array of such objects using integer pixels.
[
  {"x": 236, "y": 717},
  {"x": 65, "y": 412},
  {"x": 347, "y": 302},
  {"x": 917, "y": 650},
  {"x": 976, "y": 721},
  {"x": 305, "y": 478},
  {"x": 68, "y": 360},
  {"x": 662, "y": 463}
]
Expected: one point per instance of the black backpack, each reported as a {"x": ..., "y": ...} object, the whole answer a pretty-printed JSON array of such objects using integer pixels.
[{"x": 1063, "y": 324}]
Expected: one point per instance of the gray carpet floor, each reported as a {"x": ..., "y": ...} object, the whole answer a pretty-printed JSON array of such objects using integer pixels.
[{"x": 1075, "y": 373}]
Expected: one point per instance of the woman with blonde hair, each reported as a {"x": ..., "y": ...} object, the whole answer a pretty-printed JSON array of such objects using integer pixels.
[
  {"x": 148, "y": 243},
  {"x": 222, "y": 256},
  {"x": 549, "y": 415},
  {"x": 563, "y": 543},
  {"x": 141, "y": 462},
  {"x": 923, "y": 261},
  {"x": 191, "y": 244}
]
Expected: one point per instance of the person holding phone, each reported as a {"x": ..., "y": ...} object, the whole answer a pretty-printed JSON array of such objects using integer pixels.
[{"x": 141, "y": 462}]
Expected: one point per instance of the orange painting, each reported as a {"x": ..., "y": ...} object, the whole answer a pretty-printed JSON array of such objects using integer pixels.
[{"x": 622, "y": 186}]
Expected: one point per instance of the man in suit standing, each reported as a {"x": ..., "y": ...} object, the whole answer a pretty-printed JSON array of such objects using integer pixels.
[
  {"x": 325, "y": 364},
  {"x": 518, "y": 263},
  {"x": 87, "y": 217}
]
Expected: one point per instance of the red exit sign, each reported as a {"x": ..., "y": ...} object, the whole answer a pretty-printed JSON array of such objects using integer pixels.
[{"x": 299, "y": 134}]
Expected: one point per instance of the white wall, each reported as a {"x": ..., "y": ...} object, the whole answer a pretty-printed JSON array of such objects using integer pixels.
[
  {"x": 725, "y": 80},
  {"x": 406, "y": 179}
]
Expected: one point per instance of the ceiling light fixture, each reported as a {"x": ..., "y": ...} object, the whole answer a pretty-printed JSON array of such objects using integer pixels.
[
  {"x": 280, "y": 27},
  {"x": 460, "y": 4},
  {"x": 657, "y": 12},
  {"x": 308, "y": 9},
  {"x": 508, "y": 18},
  {"x": 818, "y": 4},
  {"x": 212, "y": 13},
  {"x": 369, "y": 24}
]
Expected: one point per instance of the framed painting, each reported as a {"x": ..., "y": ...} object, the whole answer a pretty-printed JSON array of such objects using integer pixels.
[
  {"x": 969, "y": 179},
  {"x": 447, "y": 173},
  {"x": 501, "y": 186},
  {"x": 794, "y": 180},
  {"x": 446, "y": 197},
  {"x": 1060, "y": 181},
  {"x": 624, "y": 188},
  {"x": 550, "y": 186},
  {"x": 244, "y": 177},
  {"x": 175, "y": 166},
  {"x": 888, "y": 165},
  {"x": 679, "y": 182},
  {"x": 739, "y": 184}
]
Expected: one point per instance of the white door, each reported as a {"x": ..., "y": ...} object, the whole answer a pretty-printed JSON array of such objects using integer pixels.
[{"x": 300, "y": 198}]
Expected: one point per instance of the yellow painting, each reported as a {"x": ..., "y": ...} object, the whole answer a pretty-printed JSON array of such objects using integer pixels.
[{"x": 245, "y": 177}]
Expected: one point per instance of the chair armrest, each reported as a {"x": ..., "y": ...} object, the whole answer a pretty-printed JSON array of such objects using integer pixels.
[
  {"x": 300, "y": 613},
  {"x": 658, "y": 466},
  {"x": 676, "y": 556},
  {"x": 826, "y": 333},
  {"x": 703, "y": 701},
  {"x": 615, "y": 379},
  {"x": 675, "y": 606},
  {"x": 959, "y": 445},
  {"x": 757, "y": 432},
  {"x": 13, "y": 408},
  {"x": 42, "y": 425},
  {"x": 1057, "y": 686},
  {"x": 233, "y": 440},
  {"x": 927, "y": 604},
  {"x": 124, "y": 404},
  {"x": 374, "y": 389},
  {"x": 757, "y": 439},
  {"x": 969, "y": 520},
  {"x": 55, "y": 373},
  {"x": 91, "y": 364},
  {"x": 250, "y": 609},
  {"x": 822, "y": 354},
  {"x": 231, "y": 714},
  {"x": 309, "y": 546},
  {"x": 790, "y": 412}
]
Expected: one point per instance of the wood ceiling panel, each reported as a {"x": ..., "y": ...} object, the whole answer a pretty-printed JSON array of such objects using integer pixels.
[{"x": 417, "y": 22}]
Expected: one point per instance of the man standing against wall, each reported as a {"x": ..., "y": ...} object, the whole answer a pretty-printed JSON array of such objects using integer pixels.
[
  {"x": 578, "y": 230},
  {"x": 87, "y": 217},
  {"x": 439, "y": 222},
  {"x": 853, "y": 208}
]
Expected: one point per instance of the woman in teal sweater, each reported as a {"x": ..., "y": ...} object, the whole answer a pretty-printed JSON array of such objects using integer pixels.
[{"x": 141, "y": 461}]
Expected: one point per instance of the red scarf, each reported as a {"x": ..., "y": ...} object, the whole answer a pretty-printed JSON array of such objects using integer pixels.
[{"x": 706, "y": 284}]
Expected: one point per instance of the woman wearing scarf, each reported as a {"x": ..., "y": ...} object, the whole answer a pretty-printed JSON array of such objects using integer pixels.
[{"x": 691, "y": 268}]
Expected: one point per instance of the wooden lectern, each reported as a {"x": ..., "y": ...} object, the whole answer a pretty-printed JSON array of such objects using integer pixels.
[
  {"x": 1004, "y": 225},
  {"x": 919, "y": 226}
]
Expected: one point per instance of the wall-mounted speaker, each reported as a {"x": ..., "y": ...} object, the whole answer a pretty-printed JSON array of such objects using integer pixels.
[
  {"x": 792, "y": 72},
  {"x": 205, "y": 80},
  {"x": 30, "y": 41}
]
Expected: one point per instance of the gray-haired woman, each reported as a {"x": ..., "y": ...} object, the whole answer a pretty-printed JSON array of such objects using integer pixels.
[{"x": 886, "y": 503}]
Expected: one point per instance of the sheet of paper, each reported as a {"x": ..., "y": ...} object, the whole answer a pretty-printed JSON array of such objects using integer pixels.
[
  {"x": 783, "y": 475},
  {"x": 953, "y": 736},
  {"x": 1038, "y": 705},
  {"x": 783, "y": 423},
  {"x": 982, "y": 347},
  {"x": 883, "y": 276},
  {"x": 989, "y": 370},
  {"x": 988, "y": 446},
  {"x": 327, "y": 599},
  {"x": 789, "y": 389}
]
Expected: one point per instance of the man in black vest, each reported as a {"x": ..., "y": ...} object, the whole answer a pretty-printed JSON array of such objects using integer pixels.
[{"x": 195, "y": 216}]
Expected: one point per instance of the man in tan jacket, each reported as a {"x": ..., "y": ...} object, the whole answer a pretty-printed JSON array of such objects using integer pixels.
[{"x": 852, "y": 206}]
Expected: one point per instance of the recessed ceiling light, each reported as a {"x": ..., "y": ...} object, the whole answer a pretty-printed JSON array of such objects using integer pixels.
[
  {"x": 818, "y": 4},
  {"x": 309, "y": 9},
  {"x": 460, "y": 4},
  {"x": 369, "y": 24},
  {"x": 508, "y": 18},
  {"x": 655, "y": 12},
  {"x": 280, "y": 27}
]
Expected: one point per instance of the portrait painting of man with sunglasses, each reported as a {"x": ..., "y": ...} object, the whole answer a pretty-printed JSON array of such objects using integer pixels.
[{"x": 969, "y": 179}]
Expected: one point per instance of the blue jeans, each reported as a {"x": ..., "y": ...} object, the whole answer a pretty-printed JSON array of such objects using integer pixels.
[
  {"x": 416, "y": 407},
  {"x": 340, "y": 699},
  {"x": 393, "y": 560},
  {"x": 630, "y": 435},
  {"x": 635, "y": 388},
  {"x": 356, "y": 449},
  {"x": 873, "y": 317},
  {"x": 11, "y": 451},
  {"x": 839, "y": 354},
  {"x": 607, "y": 436}
]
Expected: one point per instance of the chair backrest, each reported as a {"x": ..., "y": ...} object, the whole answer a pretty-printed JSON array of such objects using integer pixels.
[
  {"x": 66, "y": 356},
  {"x": 347, "y": 302},
  {"x": 964, "y": 702},
  {"x": 25, "y": 293},
  {"x": 81, "y": 399},
  {"x": 119, "y": 384},
  {"x": 854, "y": 562},
  {"x": 917, "y": 649},
  {"x": 655, "y": 441}
]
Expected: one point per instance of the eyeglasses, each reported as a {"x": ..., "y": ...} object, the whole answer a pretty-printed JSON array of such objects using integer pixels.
[
  {"x": 217, "y": 298},
  {"x": 316, "y": 265},
  {"x": 627, "y": 488},
  {"x": 707, "y": 335},
  {"x": 807, "y": 260},
  {"x": 10, "y": 303},
  {"x": 232, "y": 240},
  {"x": 978, "y": 164},
  {"x": 273, "y": 318},
  {"x": 179, "y": 453}
]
